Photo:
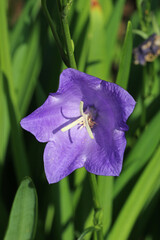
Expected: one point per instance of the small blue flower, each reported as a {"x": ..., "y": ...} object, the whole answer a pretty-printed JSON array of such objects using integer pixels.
[
  {"x": 84, "y": 125},
  {"x": 148, "y": 51}
]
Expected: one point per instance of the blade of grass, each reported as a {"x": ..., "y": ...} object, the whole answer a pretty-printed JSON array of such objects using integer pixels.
[
  {"x": 124, "y": 68},
  {"x": 26, "y": 66},
  {"x": 84, "y": 54},
  {"x": 4, "y": 124},
  {"x": 16, "y": 37},
  {"x": 82, "y": 11},
  {"x": 20, "y": 159},
  {"x": 151, "y": 205},
  {"x": 140, "y": 154},
  {"x": 137, "y": 199},
  {"x": 96, "y": 62},
  {"x": 66, "y": 211},
  {"x": 49, "y": 219},
  {"x": 111, "y": 33},
  {"x": 23, "y": 217},
  {"x": 88, "y": 223},
  {"x": 5, "y": 67},
  {"x": 24, "y": 24},
  {"x": 107, "y": 7},
  {"x": 18, "y": 147},
  {"x": 79, "y": 175},
  {"x": 105, "y": 185}
]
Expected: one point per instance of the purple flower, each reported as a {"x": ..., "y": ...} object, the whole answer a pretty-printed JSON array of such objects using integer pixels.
[
  {"x": 84, "y": 123},
  {"x": 147, "y": 51}
]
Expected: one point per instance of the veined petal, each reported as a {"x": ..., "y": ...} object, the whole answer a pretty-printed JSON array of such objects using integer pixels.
[
  {"x": 119, "y": 99},
  {"x": 100, "y": 94},
  {"x": 73, "y": 78},
  {"x": 105, "y": 154},
  {"x": 48, "y": 119},
  {"x": 64, "y": 155}
]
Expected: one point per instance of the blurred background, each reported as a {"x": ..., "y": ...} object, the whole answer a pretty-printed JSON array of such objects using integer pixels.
[{"x": 30, "y": 65}]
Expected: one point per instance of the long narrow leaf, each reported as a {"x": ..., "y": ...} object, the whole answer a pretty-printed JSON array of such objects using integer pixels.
[
  {"x": 24, "y": 24},
  {"x": 136, "y": 200},
  {"x": 20, "y": 159},
  {"x": 105, "y": 185},
  {"x": 111, "y": 33},
  {"x": 96, "y": 64},
  {"x": 23, "y": 217},
  {"x": 123, "y": 74},
  {"x": 66, "y": 210},
  {"x": 140, "y": 154}
]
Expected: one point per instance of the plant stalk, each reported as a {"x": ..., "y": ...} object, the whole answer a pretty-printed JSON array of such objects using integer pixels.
[
  {"x": 54, "y": 32},
  {"x": 97, "y": 208},
  {"x": 64, "y": 9}
]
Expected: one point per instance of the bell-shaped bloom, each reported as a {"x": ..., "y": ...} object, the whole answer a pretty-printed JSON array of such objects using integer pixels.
[
  {"x": 84, "y": 125},
  {"x": 147, "y": 51}
]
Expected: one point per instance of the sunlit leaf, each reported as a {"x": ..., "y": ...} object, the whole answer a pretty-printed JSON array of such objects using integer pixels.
[
  {"x": 23, "y": 217},
  {"x": 136, "y": 200},
  {"x": 123, "y": 73}
]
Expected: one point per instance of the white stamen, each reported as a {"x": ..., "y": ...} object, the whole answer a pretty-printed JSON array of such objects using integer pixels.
[
  {"x": 88, "y": 127},
  {"x": 83, "y": 121},
  {"x": 81, "y": 108},
  {"x": 69, "y": 126}
]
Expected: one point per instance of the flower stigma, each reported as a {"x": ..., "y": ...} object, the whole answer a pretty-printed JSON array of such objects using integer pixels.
[{"x": 85, "y": 120}]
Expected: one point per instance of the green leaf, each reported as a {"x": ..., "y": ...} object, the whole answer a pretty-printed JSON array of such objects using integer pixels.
[
  {"x": 20, "y": 159},
  {"x": 24, "y": 24},
  {"x": 16, "y": 89},
  {"x": 5, "y": 68},
  {"x": 26, "y": 66},
  {"x": 89, "y": 222},
  {"x": 66, "y": 210},
  {"x": 105, "y": 185},
  {"x": 5, "y": 58},
  {"x": 124, "y": 68},
  {"x": 4, "y": 123},
  {"x": 84, "y": 54},
  {"x": 107, "y": 7},
  {"x": 96, "y": 63},
  {"x": 79, "y": 177},
  {"x": 23, "y": 217},
  {"x": 111, "y": 33},
  {"x": 86, "y": 231},
  {"x": 49, "y": 218},
  {"x": 140, "y": 154},
  {"x": 18, "y": 147},
  {"x": 82, "y": 18},
  {"x": 137, "y": 199}
]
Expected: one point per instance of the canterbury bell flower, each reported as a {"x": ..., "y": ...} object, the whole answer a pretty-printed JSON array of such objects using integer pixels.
[{"x": 84, "y": 125}]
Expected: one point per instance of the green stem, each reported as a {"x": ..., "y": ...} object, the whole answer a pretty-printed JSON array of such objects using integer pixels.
[
  {"x": 97, "y": 207},
  {"x": 55, "y": 34},
  {"x": 67, "y": 37},
  {"x": 143, "y": 115}
]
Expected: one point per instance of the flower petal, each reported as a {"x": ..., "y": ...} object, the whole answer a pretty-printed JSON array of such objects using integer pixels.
[
  {"x": 64, "y": 155},
  {"x": 114, "y": 105},
  {"x": 105, "y": 154},
  {"x": 71, "y": 78},
  {"x": 48, "y": 119},
  {"x": 119, "y": 98},
  {"x": 89, "y": 84}
]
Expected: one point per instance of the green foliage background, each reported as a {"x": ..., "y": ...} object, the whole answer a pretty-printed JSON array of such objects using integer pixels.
[{"x": 30, "y": 66}]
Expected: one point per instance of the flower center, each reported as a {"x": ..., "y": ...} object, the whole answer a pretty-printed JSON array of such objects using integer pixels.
[{"x": 85, "y": 120}]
